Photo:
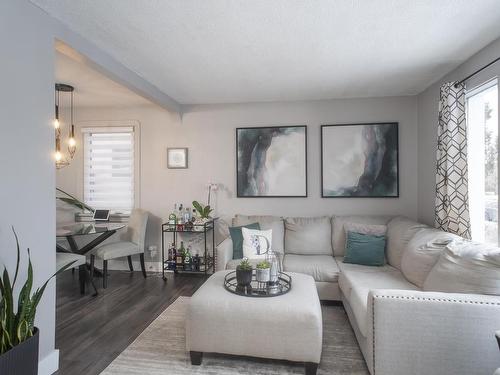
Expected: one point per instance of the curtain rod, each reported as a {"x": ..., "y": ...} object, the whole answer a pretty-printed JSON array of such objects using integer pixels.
[{"x": 476, "y": 72}]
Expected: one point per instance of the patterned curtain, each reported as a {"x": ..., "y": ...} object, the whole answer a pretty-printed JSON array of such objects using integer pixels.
[{"x": 452, "y": 199}]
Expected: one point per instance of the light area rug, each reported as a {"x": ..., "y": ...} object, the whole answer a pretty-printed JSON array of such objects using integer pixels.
[{"x": 161, "y": 349}]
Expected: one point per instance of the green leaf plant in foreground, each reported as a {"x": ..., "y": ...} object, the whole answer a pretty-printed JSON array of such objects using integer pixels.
[
  {"x": 17, "y": 324},
  {"x": 73, "y": 201}
]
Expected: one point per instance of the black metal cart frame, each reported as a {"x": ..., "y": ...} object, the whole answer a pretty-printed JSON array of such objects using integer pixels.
[{"x": 204, "y": 229}]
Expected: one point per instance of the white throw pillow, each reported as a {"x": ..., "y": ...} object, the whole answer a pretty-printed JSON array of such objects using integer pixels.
[
  {"x": 256, "y": 242},
  {"x": 422, "y": 253},
  {"x": 400, "y": 231},
  {"x": 275, "y": 223},
  {"x": 464, "y": 268}
]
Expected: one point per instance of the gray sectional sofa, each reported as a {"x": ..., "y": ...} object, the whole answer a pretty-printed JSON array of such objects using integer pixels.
[{"x": 401, "y": 325}]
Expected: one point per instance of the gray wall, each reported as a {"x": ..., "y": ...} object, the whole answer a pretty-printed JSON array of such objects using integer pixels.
[
  {"x": 427, "y": 124},
  {"x": 209, "y": 133},
  {"x": 26, "y": 146},
  {"x": 27, "y": 189}
]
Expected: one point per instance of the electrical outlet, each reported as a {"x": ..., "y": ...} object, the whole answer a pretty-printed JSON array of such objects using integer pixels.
[{"x": 153, "y": 250}]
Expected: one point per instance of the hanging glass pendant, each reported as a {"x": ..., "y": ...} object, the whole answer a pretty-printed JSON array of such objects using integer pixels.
[{"x": 61, "y": 159}]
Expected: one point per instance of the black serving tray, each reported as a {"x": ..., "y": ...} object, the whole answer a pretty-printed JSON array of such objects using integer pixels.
[{"x": 258, "y": 289}]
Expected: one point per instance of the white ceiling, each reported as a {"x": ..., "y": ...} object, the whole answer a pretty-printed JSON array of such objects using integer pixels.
[
  {"x": 92, "y": 89},
  {"x": 220, "y": 51}
]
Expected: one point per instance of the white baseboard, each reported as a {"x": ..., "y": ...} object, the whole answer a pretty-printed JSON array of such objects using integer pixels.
[{"x": 49, "y": 364}]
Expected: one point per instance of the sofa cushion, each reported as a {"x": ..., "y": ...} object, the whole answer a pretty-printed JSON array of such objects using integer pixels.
[
  {"x": 345, "y": 268},
  {"x": 422, "y": 253},
  {"x": 464, "y": 267},
  {"x": 308, "y": 235},
  {"x": 338, "y": 230},
  {"x": 400, "y": 230},
  {"x": 320, "y": 267},
  {"x": 266, "y": 222},
  {"x": 348, "y": 267},
  {"x": 371, "y": 229},
  {"x": 361, "y": 283}
]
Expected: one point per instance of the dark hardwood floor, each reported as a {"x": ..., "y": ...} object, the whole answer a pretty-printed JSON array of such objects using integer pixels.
[{"x": 92, "y": 331}]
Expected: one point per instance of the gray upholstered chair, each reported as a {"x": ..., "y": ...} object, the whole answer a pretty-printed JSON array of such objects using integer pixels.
[
  {"x": 63, "y": 258},
  {"x": 132, "y": 244}
]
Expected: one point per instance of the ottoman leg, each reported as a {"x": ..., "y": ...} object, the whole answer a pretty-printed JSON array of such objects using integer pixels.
[
  {"x": 196, "y": 358},
  {"x": 311, "y": 368}
]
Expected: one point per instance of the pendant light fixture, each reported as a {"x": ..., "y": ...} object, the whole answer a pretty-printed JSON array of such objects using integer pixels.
[{"x": 62, "y": 160}]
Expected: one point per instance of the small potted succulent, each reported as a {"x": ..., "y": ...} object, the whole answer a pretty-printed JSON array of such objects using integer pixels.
[
  {"x": 244, "y": 273},
  {"x": 263, "y": 272}
]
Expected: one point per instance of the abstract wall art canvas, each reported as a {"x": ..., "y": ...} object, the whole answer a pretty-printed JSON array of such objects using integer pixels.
[
  {"x": 271, "y": 161},
  {"x": 360, "y": 160}
]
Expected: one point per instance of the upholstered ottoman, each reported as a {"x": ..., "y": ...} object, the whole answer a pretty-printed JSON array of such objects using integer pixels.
[{"x": 287, "y": 327}]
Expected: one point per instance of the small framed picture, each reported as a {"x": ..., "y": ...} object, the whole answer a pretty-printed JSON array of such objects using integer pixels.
[{"x": 177, "y": 157}]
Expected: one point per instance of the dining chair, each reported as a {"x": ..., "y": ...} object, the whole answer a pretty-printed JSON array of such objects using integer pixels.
[
  {"x": 132, "y": 244},
  {"x": 65, "y": 258}
]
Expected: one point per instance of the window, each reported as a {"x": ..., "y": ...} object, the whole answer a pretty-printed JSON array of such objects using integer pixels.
[
  {"x": 108, "y": 168},
  {"x": 482, "y": 133}
]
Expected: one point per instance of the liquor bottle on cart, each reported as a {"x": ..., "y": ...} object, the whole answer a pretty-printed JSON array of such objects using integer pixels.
[
  {"x": 196, "y": 262},
  {"x": 180, "y": 218},
  {"x": 188, "y": 262},
  {"x": 179, "y": 258},
  {"x": 171, "y": 263},
  {"x": 172, "y": 218}
]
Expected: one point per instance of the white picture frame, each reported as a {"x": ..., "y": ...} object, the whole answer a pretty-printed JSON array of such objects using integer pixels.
[{"x": 177, "y": 157}]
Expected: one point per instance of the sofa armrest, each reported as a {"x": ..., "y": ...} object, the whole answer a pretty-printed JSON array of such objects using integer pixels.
[
  {"x": 224, "y": 254},
  {"x": 414, "y": 332}
]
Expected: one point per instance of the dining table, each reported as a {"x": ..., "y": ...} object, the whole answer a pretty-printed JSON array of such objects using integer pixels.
[{"x": 97, "y": 232}]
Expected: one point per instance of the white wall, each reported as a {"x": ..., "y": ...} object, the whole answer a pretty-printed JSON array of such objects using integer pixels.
[
  {"x": 209, "y": 133},
  {"x": 26, "y": 146},
  {"x": 427, "y": 124}
]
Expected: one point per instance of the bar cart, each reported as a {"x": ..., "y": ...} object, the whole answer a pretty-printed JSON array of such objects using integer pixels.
[{"x": 207, "y": 261}]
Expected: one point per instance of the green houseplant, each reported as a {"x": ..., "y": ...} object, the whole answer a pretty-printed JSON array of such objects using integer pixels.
[
  {"x": 203, "y": 211},
  {"x": 244, "y": 273},
  {"x": 18, "y": 335},
  {"x": 73, "y": 201},
  {"x": 263, "y": 272}
]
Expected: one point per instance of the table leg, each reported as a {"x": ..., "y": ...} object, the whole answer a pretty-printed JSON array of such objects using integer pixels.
[
  {"x": 82, "y": 276},
  {"x": 83, "y": 272},
  {"x": 61, "y": 249}
]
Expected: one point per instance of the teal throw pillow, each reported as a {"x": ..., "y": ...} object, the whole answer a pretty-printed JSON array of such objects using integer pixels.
[
  {"x": 237, "y": 238},
  {"x": 365, "y": 249}
]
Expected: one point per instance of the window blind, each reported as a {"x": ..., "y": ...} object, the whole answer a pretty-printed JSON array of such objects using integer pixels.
[{"x": 109, "y": 168}]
